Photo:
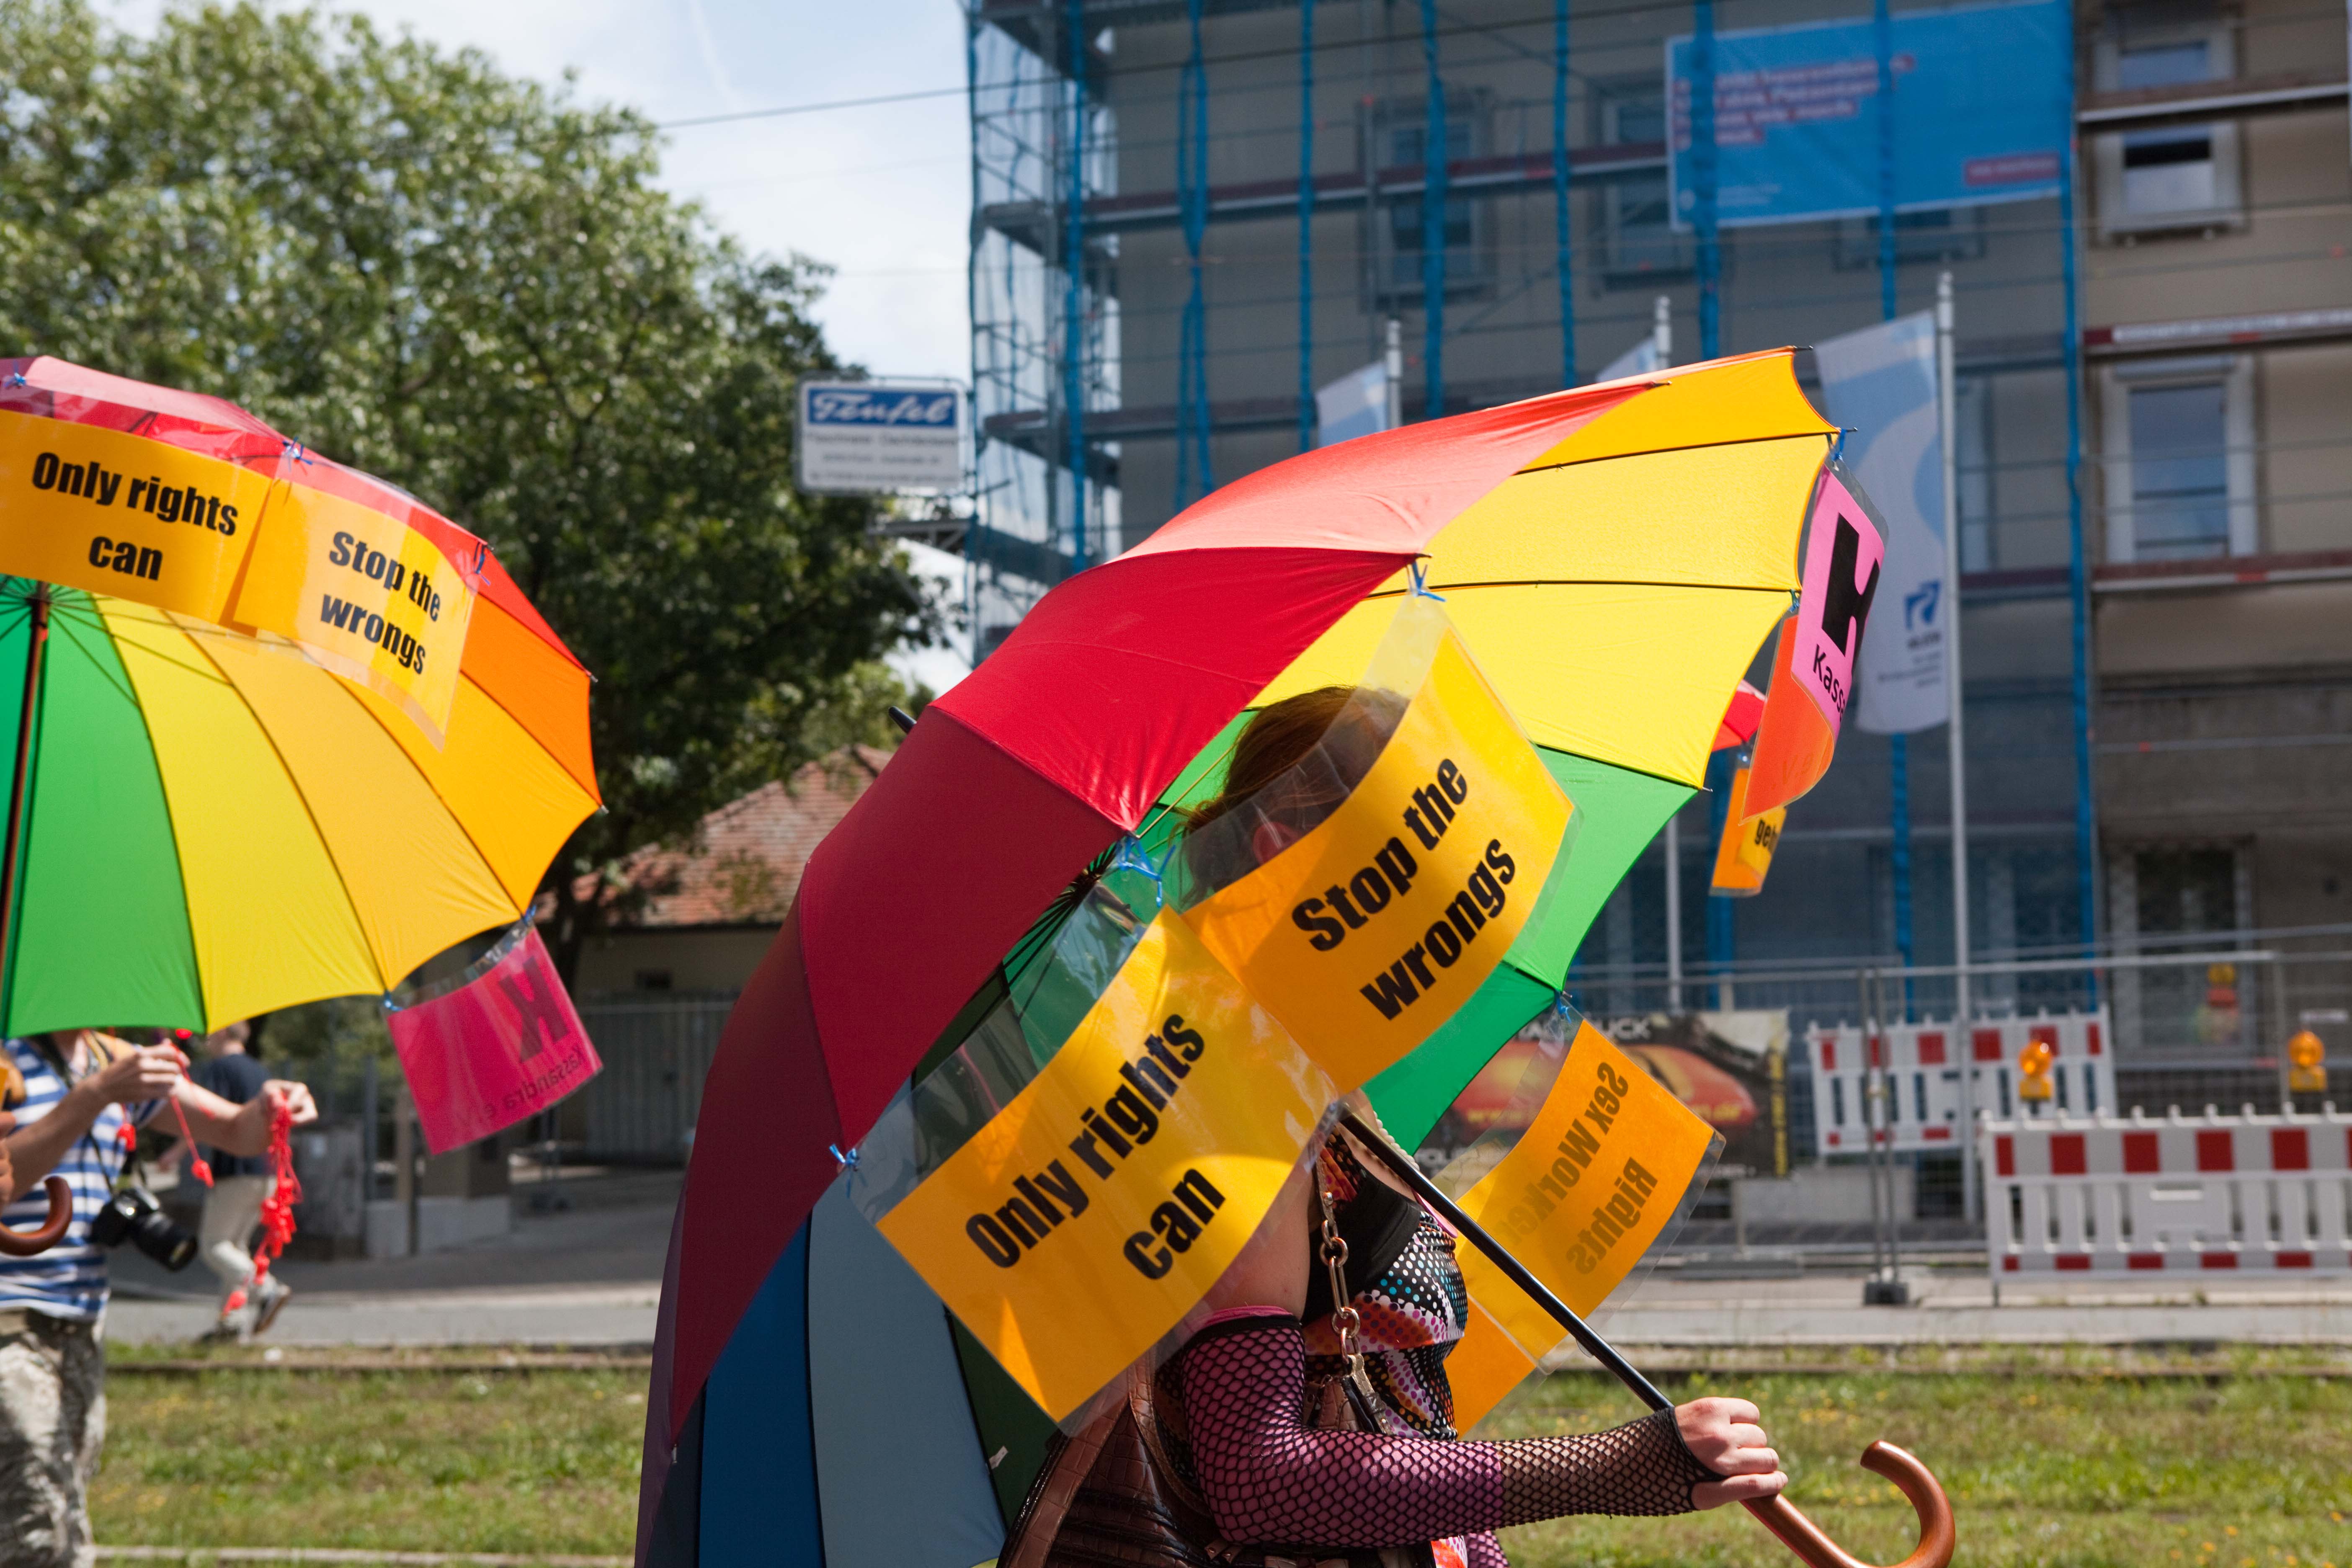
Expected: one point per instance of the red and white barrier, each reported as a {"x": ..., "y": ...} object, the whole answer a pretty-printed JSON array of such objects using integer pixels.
[
  {"x": 2117, "y": 1194},
  {"x": 1925, "y": 1069}
]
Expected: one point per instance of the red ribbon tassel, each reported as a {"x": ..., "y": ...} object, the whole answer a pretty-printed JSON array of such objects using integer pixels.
[
  {"x": 277, "y": 1208},
  {"x": 197, "y": 1166}
]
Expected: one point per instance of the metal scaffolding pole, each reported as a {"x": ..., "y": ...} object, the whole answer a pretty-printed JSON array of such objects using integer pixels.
[
  {"x": 1306, "y": 223},
  {"x": 2078, "y": 585},
  {"x": 1435, "y": 159},
  {"x": 1898, "y": 745},
  {"x": 1195, "y": 477},
  {"x": 1568, "y": 377},
  {"x": 1073, "y": 269},
  {"x": 1703, "y": 180}
]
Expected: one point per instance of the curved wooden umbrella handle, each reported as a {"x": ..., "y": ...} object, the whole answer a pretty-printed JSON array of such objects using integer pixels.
[
  {"x": 25, "y": 1243},
  {"x": 1803, "y": 1537}
]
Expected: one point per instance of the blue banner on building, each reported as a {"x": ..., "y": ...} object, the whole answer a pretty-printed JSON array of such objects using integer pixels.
[{"x": 1981, "y": 100}]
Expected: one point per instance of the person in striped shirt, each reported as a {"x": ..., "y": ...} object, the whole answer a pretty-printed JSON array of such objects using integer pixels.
[{"x": 83, "y": 1094}]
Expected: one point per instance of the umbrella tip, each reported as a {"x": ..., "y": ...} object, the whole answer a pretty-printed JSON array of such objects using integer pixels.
[{"x": 904, "y": 719}]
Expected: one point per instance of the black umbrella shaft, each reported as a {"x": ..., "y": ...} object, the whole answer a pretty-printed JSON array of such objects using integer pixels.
[
  {"x": 1599, "y": 1349},
  {"x": 12, "y": 857}
]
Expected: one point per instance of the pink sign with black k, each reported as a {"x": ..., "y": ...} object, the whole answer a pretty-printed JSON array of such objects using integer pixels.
[{"x": 486, "y": 1056}]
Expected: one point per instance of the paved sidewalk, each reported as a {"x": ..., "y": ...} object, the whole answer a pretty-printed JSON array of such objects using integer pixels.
[
  {"x": 1956, "y": 1306},
  {"x": 592, "y": 1277},
  {"x": 589, "y": 1277}
]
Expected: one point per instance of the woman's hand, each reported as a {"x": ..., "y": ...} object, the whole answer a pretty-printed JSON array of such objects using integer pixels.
[
  {"x": 1724, "y": 1436},
  {"x": 135, "y": 1073},
  {"x": 260, "y": 1113}
]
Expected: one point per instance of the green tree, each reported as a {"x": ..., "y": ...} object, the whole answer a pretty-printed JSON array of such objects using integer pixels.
[{"x": 470, "y": 285}]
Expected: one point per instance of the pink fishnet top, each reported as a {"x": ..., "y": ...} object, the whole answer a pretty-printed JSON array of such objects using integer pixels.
[{"x": 1271, "y": 1479}]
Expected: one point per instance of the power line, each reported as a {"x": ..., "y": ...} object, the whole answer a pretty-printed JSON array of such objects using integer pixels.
[
  {"x": 808, "y": 108},
  {"x": 1462, "y": 29}
]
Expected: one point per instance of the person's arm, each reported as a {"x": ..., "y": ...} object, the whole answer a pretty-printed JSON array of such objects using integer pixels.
[
  {"x": 1271, "y": 1479},
  {"x": 1272, "y": 1269},
  {"x": 235, "y": 1129},
  {"x": 136, "y": 1073}
]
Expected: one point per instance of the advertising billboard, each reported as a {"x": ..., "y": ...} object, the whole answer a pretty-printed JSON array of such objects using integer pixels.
[
  {"x": 1982, "y": 103},
  {"x": 874, "y": 438}
]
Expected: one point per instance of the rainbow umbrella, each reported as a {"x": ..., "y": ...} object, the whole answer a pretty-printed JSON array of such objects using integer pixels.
[
  {"x": 1614, "y": 554},
  {"x": 206, "y": 823}
]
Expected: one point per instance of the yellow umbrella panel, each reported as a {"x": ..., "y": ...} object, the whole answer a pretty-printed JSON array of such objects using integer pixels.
[{"x": 213, "y": 825}]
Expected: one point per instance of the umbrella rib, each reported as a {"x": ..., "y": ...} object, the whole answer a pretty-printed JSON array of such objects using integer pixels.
[
  {"x": 179, "y": 867},
  {"x": 594, "y": 791},
  {"x": 326, "y": 845},
  {"x": 1584, "y": 583},
  {"x": 489, "y": 868},
  {"x": 1660, "y": 451}
]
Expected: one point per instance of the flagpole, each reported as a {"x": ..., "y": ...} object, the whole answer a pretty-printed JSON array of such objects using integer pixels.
[
  {"x": 1674, "y": 911},
  {"x": 1777, "y": 1514},
  {"x": 1662, "y": 335},
  {"x": 1948, "y": 420}
]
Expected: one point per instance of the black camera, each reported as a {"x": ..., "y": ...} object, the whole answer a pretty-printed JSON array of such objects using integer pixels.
[{"x": 134, "y": 1215}]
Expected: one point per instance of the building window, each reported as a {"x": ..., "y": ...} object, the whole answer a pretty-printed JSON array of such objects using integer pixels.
[
  {"x": 653, "y": 980},
  {"x": 1639, "y": 245},
  {"x": 1399, "y": 136},
  {"x": 2181, "y": 463},
  {"x": 2179, "y": 470},
  {"x": 1974, "y": 475},
  {"x": 2201, "y": 895},
  {"x": 2180, "y": 176},
  {"x": 1946, "y": 234}
]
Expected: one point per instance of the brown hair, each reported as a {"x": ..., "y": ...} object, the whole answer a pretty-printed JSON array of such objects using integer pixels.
[{"x": 1276, "y": 740}]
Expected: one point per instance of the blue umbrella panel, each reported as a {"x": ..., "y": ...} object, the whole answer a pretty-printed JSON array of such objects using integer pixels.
[{"x": 850, "y": 1424}]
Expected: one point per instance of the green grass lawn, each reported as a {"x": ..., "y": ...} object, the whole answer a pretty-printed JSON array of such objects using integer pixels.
[
  {"x": 415, "y": 1459},
  {"x": 2246, "y": 1471}
]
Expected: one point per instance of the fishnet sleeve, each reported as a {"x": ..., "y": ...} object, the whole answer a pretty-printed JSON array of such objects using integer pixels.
[
  {"x": 1270, "y": 1478},
  {"x": 1483, "y": 1552}
]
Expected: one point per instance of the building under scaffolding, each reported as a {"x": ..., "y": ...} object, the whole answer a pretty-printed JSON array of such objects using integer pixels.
[{"x": 1191, "y": 213}]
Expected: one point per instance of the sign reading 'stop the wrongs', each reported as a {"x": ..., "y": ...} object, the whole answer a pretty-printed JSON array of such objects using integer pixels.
[
  {"x": 1370, "y": 930},
  {"x": 370, "y": 583}
]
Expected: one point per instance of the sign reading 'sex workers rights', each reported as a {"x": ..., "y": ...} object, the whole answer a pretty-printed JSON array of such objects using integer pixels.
[
  {"x": 1371, "y": 930},
  {"x": 1084, "y": 1219},
  {"x": 1590, "y": 1185}
]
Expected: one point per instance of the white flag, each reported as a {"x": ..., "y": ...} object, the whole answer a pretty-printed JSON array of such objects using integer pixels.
[
  {"x": 1355, "y": 405},
  {"x": 1880, "y": 383},
  {"x": 1639, "y": 360}
]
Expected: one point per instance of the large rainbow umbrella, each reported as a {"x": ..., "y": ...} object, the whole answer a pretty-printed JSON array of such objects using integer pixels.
[
  {"x": 1614, "y": 556},
  {"x": 203, "y": 824}
]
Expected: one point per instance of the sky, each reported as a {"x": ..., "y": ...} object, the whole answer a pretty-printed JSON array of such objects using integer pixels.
[{"x": 881, "y": 193}]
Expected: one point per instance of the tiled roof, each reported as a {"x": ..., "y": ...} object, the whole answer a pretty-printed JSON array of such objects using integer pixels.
[{"x": 745, "y": 864}]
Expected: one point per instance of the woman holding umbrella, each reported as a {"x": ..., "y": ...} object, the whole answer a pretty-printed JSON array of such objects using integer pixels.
[{"x": 1309, "y": 1411}]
